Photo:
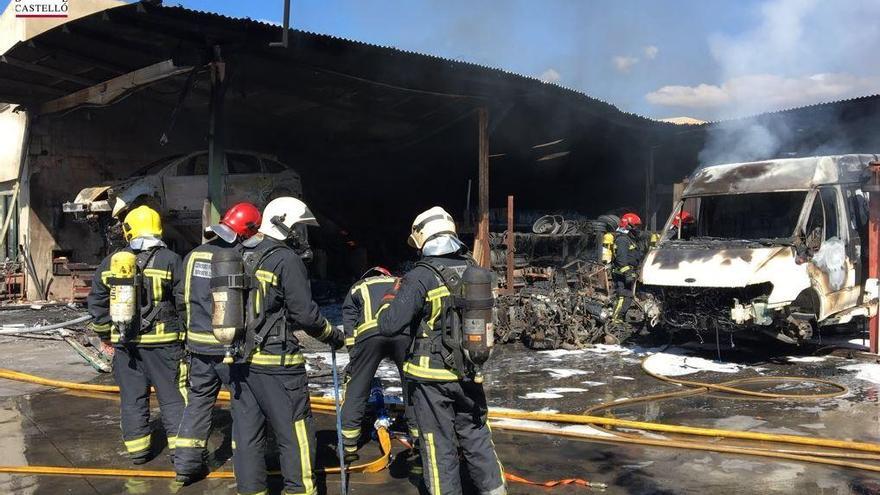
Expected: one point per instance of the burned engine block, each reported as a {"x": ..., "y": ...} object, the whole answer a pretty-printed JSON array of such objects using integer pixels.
[{"x": 571, "y": 312}]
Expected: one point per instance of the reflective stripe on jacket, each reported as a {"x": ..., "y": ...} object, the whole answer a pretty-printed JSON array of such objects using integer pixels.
[
  {"x": 361, "y": 307},
  {"x": 161, "y": 280}
]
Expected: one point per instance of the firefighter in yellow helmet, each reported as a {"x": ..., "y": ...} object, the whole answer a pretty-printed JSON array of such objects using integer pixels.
[
  {"x": 132, "y": 302},
  {"x": 449, "y": 404}
]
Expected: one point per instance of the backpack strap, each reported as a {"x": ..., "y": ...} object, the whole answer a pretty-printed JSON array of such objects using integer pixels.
[{"x": 149, "y": 311}]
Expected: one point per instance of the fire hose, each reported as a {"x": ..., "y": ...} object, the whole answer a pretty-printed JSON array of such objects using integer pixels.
[
  {"x": 44, "y": 328},
  {"x": 820, "y": 457}
]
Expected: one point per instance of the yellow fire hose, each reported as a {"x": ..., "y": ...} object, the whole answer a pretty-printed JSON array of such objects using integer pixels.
[
  {"x": 370, "y": 467},
  {"x": 321, "y": 403},
  {"x": 730, "y": 387}
]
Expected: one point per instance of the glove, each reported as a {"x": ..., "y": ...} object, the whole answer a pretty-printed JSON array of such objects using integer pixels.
[{"x": 630, "y": 277}]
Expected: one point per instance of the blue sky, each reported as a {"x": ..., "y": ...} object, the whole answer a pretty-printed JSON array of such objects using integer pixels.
[{"x": 703, "y": 58}]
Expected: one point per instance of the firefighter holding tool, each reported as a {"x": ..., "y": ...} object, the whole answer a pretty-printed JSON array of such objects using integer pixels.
[
  {"x": 264, "y": 297},
  {"x": 447, "y": 302}
]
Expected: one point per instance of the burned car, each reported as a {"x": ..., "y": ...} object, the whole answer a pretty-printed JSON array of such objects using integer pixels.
[
  {"x": 776, "y": 246},
  {"x": 178, "y": 185}
]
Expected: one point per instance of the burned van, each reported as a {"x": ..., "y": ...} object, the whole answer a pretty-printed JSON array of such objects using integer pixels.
[{"x": 777, "y": 246}]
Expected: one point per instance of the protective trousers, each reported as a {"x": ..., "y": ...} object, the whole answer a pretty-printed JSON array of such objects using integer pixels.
[
  {"x": 365, "y": 357},
  {"x": 207, "y": 374},
  {"x": 624, "y": 297},
  {"x": 135, "y": 369},
  {"x": 283, "y": 400},
  {"x": 452, "y": 415}
]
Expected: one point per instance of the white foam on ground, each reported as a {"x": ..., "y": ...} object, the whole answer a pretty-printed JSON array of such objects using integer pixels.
[
  {"x": 564, "y": 372},
  {"x": 587, "y": 429},
  {"x": 526, "y": 423},
  {"x": 805, "y": 359},
  {"x": 620, "y": 377},
  {"x": 593, "y": 384},
  {"x": 869, "y": 372},
  {"x": 565, "y": 390},
  {"x": 675, "y": 365},
  {"x": 506, "y": 409},
  {"x": 608, "y": 349},
  {"x": 555, "y": 353},
  {"x": 547, "y": 410},
  {"x": 541, "y": 395}
]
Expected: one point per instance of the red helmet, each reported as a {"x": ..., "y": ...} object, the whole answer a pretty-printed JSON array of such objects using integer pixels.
[
  {"x": 629, "y": 220},
  {"x": 244, "y": 219},
  {"x": 240, "y": 221},
  {"x": 682, "y": 217}
]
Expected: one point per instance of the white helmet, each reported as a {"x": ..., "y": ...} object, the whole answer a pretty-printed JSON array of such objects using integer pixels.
[
  {"x": 281, "y": 214},
  {"x": 430, "y": 224}
]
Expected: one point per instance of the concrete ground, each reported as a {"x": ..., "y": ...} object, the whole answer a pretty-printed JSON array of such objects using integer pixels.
[{"x": 40, "y": 426}]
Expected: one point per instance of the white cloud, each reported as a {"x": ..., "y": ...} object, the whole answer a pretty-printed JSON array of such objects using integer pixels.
[
  {"x": 769, "y": 90},
  {"x": 624, "y": 63},
  {"x": 550, "y": 76},
  {"x": 651, "y": 52}
]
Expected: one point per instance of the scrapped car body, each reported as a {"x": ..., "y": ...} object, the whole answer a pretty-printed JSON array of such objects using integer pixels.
[
  {"x": 778, "y": 246},
  {"x": 178, "y": 186}
]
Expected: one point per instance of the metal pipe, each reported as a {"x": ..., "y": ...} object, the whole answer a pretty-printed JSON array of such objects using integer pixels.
[
  {"x": 873, "y": 190},
  {"x": 286, "y": 26},
  {"x": 6, "y": 330},
  {"x": 511, "y": 242}
]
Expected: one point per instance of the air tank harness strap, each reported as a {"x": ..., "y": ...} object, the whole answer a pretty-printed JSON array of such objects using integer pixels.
[{"x": 149, "y": 310}]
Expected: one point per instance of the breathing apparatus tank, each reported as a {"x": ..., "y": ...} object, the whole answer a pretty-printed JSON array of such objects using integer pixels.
[
  {"x": 477, "y": 315},
  {"x": 607, "y": 247},
  {"x": 229, "y": 292},
  {"x": 124, "y": 283}
]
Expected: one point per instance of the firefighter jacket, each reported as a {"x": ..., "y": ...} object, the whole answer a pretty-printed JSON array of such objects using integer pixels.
[
  {"x": 161, "y": 276},
  {"x": 280, "y": 301},
  {"x": 361, "y": 307},
  {"x": 194, "y": 299},
  {"x": 418, "y": 304},
  {"x": 628, "y": 253}
]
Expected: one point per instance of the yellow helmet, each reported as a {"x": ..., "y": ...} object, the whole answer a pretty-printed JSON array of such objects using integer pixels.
[
  {"x": 142, "y": 221},
  {"x": 430, "y": 224}
]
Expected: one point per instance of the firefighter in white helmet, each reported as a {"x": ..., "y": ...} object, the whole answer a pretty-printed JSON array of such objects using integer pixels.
[
  {"x": 271, "y": 384},
  {"x": 149, "y": 346},
  {"x": 450, "y": 406}
]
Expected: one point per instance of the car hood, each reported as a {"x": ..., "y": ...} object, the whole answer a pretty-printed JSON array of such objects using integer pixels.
[{"x": 703, "y": 266}]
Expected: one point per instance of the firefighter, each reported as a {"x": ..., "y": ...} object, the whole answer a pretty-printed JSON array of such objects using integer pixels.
[
  {"x": 148, "y": 349},
  {"x": 272, "y": 384},
  {"x": 207, "y": 372},
  {"x": 450, "y": 407},
  {"x": 367, "y": 349},
  {"x": 629, "y": 252},
  {"x": 682, "y": 222}
]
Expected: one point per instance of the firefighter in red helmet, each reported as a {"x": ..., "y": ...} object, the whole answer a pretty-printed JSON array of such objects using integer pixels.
[
  {"x": 682, "y": 224},
  {"x": 628, "y": 255},
  {"x": 207, "y": 370}
]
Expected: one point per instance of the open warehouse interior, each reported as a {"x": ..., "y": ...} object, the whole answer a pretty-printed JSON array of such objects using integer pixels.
[{"x": 369, "y": 130}]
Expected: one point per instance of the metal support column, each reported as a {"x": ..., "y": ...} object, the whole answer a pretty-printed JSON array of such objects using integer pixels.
[
  {"x": 481, "y": 241},
  {"x": 873, "y": 189},
  {"x": 215, "y": 139},
  {"x": 511, "y": 247}
]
